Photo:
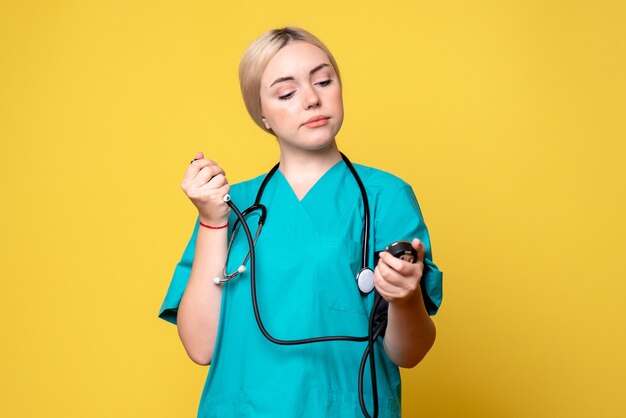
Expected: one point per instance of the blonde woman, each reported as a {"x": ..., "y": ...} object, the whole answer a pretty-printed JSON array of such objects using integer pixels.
[{"x": 325, "y": 218}]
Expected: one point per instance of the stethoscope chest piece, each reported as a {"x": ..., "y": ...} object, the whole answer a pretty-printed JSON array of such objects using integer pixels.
[{"x": 365, "y": 280}]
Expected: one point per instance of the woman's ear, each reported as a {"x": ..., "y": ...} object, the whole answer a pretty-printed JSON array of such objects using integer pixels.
[{"x": 267, "y": 126}]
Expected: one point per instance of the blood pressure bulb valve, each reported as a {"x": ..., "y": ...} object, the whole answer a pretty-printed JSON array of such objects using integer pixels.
[{"x": 403, "y": 250}]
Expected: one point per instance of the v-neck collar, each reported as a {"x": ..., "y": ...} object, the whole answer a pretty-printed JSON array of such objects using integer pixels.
[{"x": 322, "y": 179}]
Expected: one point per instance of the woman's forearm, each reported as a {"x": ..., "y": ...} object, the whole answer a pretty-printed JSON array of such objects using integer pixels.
[
  {"x": 410, "y": 332},
  {"x": 199, "y": 310}
]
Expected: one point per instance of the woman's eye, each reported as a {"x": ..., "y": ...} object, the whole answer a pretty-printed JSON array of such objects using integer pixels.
[
  {"x": 286, "y": 96},
  {"x": 325, "y": 82}
]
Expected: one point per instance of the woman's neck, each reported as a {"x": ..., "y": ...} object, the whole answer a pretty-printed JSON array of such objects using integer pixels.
[{"x": 303, "y": 168}]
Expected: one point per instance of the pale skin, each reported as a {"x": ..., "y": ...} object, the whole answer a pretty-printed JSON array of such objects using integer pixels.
[{"x": 302, "y": 105}]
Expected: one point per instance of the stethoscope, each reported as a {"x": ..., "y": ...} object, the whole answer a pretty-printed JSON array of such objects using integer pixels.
[
  {"x": 365, "y": 277},
  {"x": 365, "y": 281}
]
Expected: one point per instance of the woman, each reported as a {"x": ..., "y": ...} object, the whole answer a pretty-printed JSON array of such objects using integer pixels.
[{"x": 307, "y": 257}]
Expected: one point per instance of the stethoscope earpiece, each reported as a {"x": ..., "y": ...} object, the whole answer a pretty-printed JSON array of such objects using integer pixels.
[{"x": 228, "y": 277}]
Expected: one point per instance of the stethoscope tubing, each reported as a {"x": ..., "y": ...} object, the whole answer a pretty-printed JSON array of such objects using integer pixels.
[
  {"x": 255, "y": 306},
  {"x": 370, "y": 338},
  {"x": 373, "y": 334},
  {"x": 242, "y": 268}
]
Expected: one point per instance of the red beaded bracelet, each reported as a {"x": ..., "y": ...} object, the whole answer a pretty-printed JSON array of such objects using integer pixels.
[{"x": 213, "y": 227}]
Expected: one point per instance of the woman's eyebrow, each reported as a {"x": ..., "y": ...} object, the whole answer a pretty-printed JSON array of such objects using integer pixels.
[
  {"x": 319, "y": 67},
  {"x": 289, "y": 78}
]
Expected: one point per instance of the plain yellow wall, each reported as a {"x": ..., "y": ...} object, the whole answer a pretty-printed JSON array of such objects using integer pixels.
[{"x": 507, "y": 117}]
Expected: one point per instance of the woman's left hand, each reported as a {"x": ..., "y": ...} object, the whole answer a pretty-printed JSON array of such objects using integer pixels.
[{"x": 398, "y": 281}]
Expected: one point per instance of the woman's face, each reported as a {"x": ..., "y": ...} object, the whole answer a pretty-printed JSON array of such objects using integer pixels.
[{"x": 301, "y": 97}]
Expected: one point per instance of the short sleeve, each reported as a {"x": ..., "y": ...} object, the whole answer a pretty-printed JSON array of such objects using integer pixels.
[
  {"x": 399, "y": 217},
  {"x": 169, "y": 307}
]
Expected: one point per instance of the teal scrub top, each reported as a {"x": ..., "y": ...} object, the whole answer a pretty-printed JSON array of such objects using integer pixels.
[{"x": 308, "y": 255}]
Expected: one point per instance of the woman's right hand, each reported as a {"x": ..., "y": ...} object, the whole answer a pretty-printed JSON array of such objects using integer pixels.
[{"x": 205, "y": 184}]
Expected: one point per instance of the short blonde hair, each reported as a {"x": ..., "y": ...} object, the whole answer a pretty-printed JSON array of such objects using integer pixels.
[{"x": 259, "y": 54}]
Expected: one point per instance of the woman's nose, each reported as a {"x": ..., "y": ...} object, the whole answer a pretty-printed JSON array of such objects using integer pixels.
[{"x": 311, "y": 99}]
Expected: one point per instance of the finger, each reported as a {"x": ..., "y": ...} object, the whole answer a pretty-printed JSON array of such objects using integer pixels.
[
  {"x": 420, "y": 248},
  {"x": 204, "y": 176},
  {"x": 214, "y": 183},
  {"x": 198, "y": 156},
  {"x": 217, "y": 181},
  {"x": 388, "y": 274},
  {"x": 381, "y": 285},
  {"x": 391, "y": 261},
  {"x": 388, "y": 290},
  {"x": 223, "y": 191},
  {"x": 198, "y": 165},
  {"x": 405, "y": 279},
  {"x": 194, "y": 168},
  {"x": 401, "y": 266},
  {"x": 207, "y": 173},
  {"x": 211, "y": 171}
]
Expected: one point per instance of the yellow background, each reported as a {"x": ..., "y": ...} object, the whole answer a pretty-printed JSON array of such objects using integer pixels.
[{"x": 507, "y": 117}]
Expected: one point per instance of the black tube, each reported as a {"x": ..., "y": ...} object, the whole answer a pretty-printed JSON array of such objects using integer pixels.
[{"x": 370, "y": 338}]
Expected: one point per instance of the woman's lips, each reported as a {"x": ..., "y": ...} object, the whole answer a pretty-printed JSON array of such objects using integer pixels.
[{"x": 316, "y": 122}]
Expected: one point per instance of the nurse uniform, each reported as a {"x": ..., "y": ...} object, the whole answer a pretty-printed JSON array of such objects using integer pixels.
[{"x": 308, "y": 255}]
